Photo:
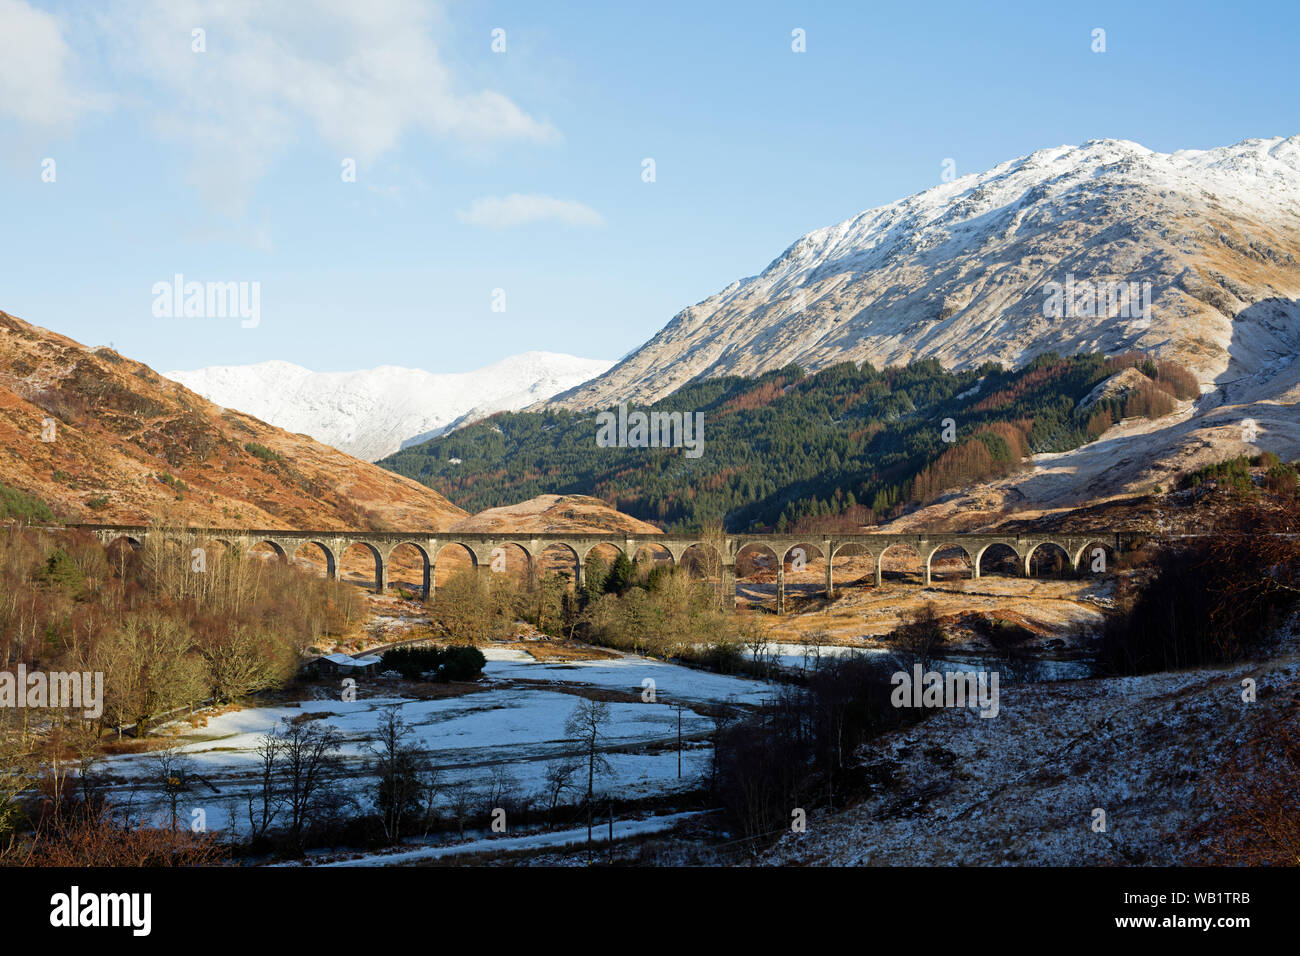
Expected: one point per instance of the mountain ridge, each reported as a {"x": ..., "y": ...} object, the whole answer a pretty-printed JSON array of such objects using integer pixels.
[
  {"x": 957, "y": 272},
  {"x": 374, "y": 412}
]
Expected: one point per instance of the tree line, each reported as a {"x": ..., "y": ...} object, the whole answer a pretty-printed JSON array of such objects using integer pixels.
[{"x": 787, "y": 448}]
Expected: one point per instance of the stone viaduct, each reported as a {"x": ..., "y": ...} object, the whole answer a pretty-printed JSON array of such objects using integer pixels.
[{"x": 717, "y": 554}]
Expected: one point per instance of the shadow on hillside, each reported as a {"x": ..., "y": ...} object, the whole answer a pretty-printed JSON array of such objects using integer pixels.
[{"x": 1265, "y": 341}]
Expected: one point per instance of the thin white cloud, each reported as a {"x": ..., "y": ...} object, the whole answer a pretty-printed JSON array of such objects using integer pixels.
[
  {"x": 360, "y": 75},
  {"x": 35, "y": 61},
  {"x": 518, "y": 209}
]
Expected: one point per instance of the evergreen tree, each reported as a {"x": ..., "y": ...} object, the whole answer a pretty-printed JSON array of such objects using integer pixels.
[{"x": 620, "y": 575}]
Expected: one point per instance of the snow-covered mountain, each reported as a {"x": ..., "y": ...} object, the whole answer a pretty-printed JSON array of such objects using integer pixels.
[
  {"x": 963, "y": 272},
  {"x": 375, "y": 412}
]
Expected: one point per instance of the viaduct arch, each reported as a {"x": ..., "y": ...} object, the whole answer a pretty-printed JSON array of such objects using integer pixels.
[{"x": 1080, "y": 548}]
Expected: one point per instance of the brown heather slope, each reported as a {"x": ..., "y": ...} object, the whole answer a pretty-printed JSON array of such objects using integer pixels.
[
  {"x": 124, "y": 436},
  {"x": 551, "y": 513}
]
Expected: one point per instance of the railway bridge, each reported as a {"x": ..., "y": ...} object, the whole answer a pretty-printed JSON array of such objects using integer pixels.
[{"x": 717, "y": 555}]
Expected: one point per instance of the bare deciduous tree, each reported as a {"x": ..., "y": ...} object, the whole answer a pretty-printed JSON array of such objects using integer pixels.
[
  {"x": 920, "y": 638},
  {"x": 587, "y": 725},
  {"x": 461, "y": 797},
  {"x": 400, "y": 786},
  {"x": 309, "y": 755},
  {"x": 559, "y": 778},
  {"x": 173, "y": 767},
  {"x": 265, "y": 803}
]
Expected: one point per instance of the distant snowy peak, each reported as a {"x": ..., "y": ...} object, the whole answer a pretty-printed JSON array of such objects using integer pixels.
[
  {"x": 958, "y": 272},
  {"x": 375, "y": 412}
]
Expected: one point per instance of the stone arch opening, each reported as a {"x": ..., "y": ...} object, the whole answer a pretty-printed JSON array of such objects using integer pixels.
[
  {"x": 999, "y": 559},
  {"x": 650, "y": 556},
  {"x": 701, "y": 560},
  {"x": 219, "y": 547},
  {"x": 1094, "y": 558},
  {"x": 266, "y": 549},
  {"x": 560, "y": 559},
  {"x": 360, "y": 560},
  {"x": 1048, "y": 559},
  {"x": 803, "y": 567},
  {"x": 852, "y": 565},
  {"x": 756, "y": 575},
  {"x": 123, "y": 541},
  {"x": 704, "y": 562},
  {"x": 452, "y": 559},
  {"x": 512, "y": 559},
  {"x": 598, "y": 563},
  {"x": 949, "y": 562},
  {"x": 203, "y": 558},
  {"x": 802, "y": 557},
  {"x": 900, "y": 562},
  {"x": 215, "y": 550},
  {"x": 316, "y": 558},
  {"x": 604, "y": 550},
  {"x": 123, "y": 552},
  {"x": 408, "y": 569},
  {"x": 755, "y": 558},
  {"x": 167, "y": 557}
]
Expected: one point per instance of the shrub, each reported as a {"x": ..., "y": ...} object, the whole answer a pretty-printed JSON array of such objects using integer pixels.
[
  {"x": 461, "y": 663},
  {"x": 1004, "y": 635},
  {"x": 1281, "y": 480},
  {"x": 1213, "y": 601},
  {"x": 449, "y": 663},
  {"x": 262, "y": 452},
  {"x": 803, "y": 746},
  {"x": 411, "y": 662},
  {"x": 1257, "y": 822},
  {"x": 16, "y": 504},
  {"x": 723, "y": 657}
]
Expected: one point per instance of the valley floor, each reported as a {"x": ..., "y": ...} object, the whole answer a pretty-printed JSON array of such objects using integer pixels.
[
  {"x": 501, "y": 733},
  {"x": 1019, "y": 788}
]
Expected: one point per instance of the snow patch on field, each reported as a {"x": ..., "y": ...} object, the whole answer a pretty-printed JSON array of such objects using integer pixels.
[
  {"x": 513, "y": 724},
  {"x": 623, "y": 829}
]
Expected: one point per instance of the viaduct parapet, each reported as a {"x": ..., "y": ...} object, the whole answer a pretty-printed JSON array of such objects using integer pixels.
[{"x": 716, "y": 553}]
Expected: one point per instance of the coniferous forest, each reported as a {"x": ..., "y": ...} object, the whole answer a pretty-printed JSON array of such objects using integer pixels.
[{"x": 841, "y": 448}]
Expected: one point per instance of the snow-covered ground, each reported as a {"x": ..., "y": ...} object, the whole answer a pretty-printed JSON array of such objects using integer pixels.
[
  {"x": 551, "y": 839},
  {"x": 515, "y": 724},
  {"x": 805, "y": 657},
  {"x": 629, "y": 672}
]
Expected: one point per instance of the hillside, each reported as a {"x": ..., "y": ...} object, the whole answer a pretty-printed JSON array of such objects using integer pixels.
[
  {"x": 552, "y": 513},
  {"x": 1139, "y": 454},
  {"x": 128, "y": 445},
  {"x": 848, "y": 444},
  {"x": 375, "y": 412},
  {"x": 961, "y": 273},
  {"x": 1021, "y": 789}
]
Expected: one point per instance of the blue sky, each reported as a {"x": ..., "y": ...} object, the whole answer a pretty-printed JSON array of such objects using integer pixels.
[{"x": 225, "y": 165}]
